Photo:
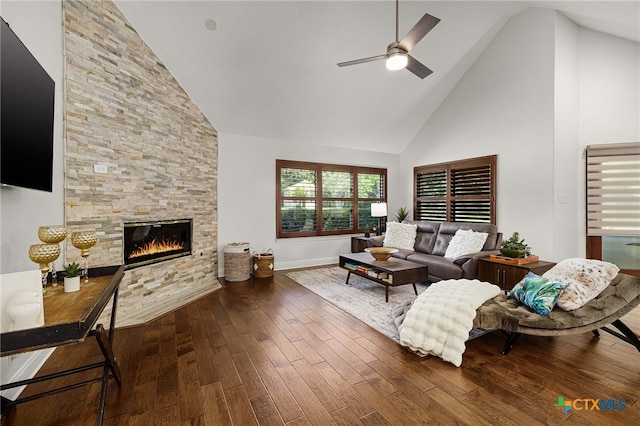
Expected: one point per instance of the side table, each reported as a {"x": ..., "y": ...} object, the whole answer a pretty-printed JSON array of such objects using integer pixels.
[
  {"x": 358, "y": 244},
  {"x": 505, "y": 275}
]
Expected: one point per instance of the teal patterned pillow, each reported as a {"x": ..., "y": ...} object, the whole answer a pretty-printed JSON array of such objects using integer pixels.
[{"x": 538, "y": 293}]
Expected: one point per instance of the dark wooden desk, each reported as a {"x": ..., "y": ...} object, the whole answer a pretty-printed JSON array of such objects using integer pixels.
[{"x": 70, "y": 318}]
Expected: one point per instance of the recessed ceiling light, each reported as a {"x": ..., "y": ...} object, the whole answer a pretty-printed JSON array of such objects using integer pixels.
[{"x": 210, "y": 24}]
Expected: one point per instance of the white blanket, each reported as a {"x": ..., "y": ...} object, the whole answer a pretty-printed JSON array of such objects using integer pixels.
[{"x": 440, "y": 319}]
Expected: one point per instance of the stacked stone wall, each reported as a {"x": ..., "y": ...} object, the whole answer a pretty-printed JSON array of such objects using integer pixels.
[{"x": 124, "y": 110}]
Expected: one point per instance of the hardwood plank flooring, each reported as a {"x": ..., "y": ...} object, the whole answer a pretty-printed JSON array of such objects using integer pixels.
[{"x": 269, "y": 352}]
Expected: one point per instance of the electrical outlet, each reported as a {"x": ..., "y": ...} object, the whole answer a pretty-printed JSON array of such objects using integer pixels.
[{"x": 99, "y": 168}]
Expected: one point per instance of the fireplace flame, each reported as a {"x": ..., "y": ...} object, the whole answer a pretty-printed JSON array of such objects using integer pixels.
[{"x": 155, "y": 247}]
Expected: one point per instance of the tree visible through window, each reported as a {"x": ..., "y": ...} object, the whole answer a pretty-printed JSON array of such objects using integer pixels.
[
  {"x": 325, "y": 199},
  {"x": 461, "y": 191}
]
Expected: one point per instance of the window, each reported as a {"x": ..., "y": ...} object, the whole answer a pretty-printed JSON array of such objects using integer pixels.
[
  {"x": 613, "y": 204},
  {"x": 462, "y": 191},
  {"x": 325, "y": 199}
]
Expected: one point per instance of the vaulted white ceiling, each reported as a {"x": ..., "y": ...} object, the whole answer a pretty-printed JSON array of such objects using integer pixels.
[{"x": 269, "y": 68}]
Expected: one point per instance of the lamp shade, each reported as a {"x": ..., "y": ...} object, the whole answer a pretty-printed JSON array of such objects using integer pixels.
[{"x": 378, "y": 209}]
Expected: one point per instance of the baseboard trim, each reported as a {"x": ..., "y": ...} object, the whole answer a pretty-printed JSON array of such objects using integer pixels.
[{"x": 22, "y": 367}]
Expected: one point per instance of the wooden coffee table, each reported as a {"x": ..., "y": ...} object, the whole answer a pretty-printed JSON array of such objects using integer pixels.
[{"x": 391, "y": 272}]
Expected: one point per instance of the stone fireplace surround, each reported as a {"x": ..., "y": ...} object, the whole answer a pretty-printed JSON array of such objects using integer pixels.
[{"x": 124, "y": 110}]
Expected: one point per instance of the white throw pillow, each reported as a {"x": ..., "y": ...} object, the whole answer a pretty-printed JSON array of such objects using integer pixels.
[
  {"x": 400, "y": 235},
  {"x": 586, "y": 278},
  {"x": 465, "y": 241}
]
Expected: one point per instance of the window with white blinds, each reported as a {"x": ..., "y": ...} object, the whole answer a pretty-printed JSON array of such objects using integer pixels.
[
  {"x": 326, "y": 199},
  {"x": 613, "y": 189},
  {"x": 461, "y": 191}
]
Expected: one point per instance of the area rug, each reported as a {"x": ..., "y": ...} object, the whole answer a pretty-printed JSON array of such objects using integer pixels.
[{"x": 362, "y": 298}]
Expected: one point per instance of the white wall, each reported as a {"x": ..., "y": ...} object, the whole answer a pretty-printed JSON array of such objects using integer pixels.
[
  {"x": 503, "y": 105},
  {"x": 542, "y": 90},
  {"x": 39, "y": 25},
  {"x": 247, "y": 192},
  {"x": 609, "y": 83},
  {"x": 22, "y": 211},
  {"x": 567, "y": 176},
  {"x": 609, "y": 89}
]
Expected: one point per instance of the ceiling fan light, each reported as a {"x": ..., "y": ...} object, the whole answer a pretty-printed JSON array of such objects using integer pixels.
[{"x": 396, "y": 61}]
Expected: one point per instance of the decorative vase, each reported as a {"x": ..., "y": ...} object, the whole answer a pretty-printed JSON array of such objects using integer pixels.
[
  {"x": 71, "y": 284},
  {"x": 84, "y": 241},
  {"x": 52, "y": 234},
  {"x": 43, "y": 255}
]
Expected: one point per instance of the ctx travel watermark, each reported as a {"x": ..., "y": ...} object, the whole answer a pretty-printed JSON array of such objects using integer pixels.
[{"x": 590, "y": 404}]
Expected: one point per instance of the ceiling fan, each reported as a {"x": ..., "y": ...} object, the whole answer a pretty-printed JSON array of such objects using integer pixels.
[{"x": 397, "y": 55}]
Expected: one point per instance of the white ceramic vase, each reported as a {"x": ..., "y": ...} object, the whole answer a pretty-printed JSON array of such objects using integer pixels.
[{"x": 71, "y": 284}]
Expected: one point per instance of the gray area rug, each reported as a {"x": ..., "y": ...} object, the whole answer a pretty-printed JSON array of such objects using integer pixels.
[{"x": 362, "y": 298}]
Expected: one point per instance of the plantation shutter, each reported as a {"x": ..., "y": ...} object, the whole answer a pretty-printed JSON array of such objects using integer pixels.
[
  {"x": 462, "y": 191},
  {"x": 471, "y": 193},
  {"x": 431, "y": 193},
  {"x": 613, "y": 189}
]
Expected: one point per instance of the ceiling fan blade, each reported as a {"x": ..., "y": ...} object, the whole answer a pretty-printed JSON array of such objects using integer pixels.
[
  {"x": 362, "y": 61},
  {"x": 416, "y": 67},
  {"x": 419, "y": 30}
]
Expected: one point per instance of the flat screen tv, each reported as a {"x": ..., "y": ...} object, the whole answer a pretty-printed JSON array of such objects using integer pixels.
[{"x": 26, "y": 116}]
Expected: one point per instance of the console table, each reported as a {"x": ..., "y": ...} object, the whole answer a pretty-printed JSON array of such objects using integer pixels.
[{"x": 70, "y": 318}]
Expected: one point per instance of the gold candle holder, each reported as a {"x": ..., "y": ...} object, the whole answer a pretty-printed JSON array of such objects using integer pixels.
[
  {"x": 52, "y": 234},
  {"x": 84, "y": 241},
  {"x": 43, "y": 255}
]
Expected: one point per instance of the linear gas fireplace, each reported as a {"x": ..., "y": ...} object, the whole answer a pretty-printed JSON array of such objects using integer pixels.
[{"x": 151, "y": 242}]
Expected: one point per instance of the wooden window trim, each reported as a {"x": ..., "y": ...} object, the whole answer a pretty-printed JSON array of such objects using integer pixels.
[
  {"x": 450, "y": 199},
  {"x": 318, "y": 199}
]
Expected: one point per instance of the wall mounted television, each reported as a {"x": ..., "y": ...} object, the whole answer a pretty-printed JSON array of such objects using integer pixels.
[{"x": 26, "y": 116}]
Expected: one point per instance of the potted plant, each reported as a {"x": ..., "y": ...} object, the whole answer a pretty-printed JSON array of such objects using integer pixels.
[
  {"x": 514, "y": 247},
  {"x": 402, "y": 214},
  {"x": 72, "y": 277}
]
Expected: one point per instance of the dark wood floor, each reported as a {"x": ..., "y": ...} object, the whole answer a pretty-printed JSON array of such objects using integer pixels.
[{"x": 270, "y": 352}]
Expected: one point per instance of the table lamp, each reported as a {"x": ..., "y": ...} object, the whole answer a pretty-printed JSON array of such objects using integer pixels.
[{"x": 379, "y": 210}]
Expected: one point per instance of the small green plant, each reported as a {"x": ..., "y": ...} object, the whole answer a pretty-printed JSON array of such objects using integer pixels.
[
  {"x": 514, "y": 243},
  {"x": 515, "y": 247},
  {"x": 73, "y": 270},
  {"x": 402, "y": 214}
]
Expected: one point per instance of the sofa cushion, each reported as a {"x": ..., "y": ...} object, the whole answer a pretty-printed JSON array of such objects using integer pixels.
[
  {"x": 426, "y": 235},
  {"x": 438, "y": 266},
  {"x": 465, "y": 241},
  {"x": 400, "y": 235},
  {"x": 448, "y": 229},
  {"x": 586, "y": 278}
]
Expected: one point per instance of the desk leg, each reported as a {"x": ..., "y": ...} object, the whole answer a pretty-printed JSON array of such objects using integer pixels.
[
  {"x": 348, "y": 275},
  {"x": 110, "y": 362}
]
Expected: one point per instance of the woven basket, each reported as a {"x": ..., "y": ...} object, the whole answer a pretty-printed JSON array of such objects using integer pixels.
[
  {"x": 237, "y": 262},
  {"x": 263, "y": 264}
]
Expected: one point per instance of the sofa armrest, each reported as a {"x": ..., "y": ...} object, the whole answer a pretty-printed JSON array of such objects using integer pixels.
[
  {"x": 469, "y": 262},
  {"x": 376, "y": 241},
  {"x": 479, "y": 255}
]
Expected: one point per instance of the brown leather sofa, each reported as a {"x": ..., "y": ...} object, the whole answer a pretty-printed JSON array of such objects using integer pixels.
[{"x": 431, "y": 244}]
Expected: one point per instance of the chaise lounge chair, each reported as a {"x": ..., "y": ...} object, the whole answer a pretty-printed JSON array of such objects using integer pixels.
[{"x": 514, "y": 319}]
